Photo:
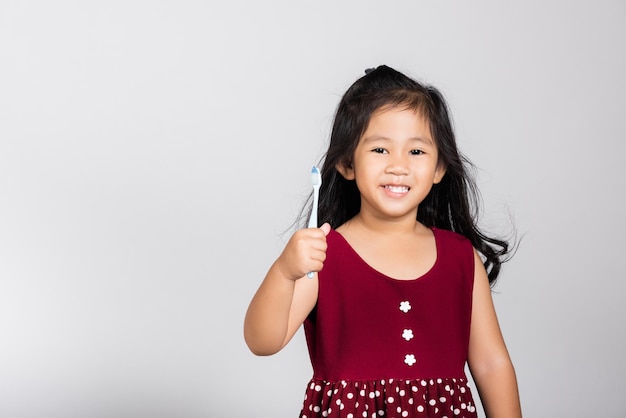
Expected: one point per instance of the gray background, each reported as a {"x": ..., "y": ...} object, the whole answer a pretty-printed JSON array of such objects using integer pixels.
[{"x": 153, "y": 153}]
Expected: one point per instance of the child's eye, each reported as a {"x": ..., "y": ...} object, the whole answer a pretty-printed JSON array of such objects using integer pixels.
[
  {"x": 417, "y": 152},
  {"x": 379, "y": 150}
]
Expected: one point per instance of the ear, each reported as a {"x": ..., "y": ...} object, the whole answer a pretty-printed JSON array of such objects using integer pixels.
[
  {"x": 345, "y": 169},
  {"x": 440, "y": 171}
]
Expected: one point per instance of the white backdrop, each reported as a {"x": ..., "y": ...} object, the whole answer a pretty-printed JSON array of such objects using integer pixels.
[{"x": 152, "y": 153}]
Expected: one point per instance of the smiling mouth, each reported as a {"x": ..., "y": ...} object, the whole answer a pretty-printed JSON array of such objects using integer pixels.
[{"x": 397, "y": 189}]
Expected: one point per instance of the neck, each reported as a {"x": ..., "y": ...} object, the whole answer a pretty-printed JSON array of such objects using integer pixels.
[{"x": 372, "y": 224}]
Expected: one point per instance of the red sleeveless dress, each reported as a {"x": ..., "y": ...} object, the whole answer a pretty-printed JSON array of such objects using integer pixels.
[{"x": 382, "y": 347}]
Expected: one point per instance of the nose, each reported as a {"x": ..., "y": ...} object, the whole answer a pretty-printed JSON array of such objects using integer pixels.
[{"x": 398, "y": 165}]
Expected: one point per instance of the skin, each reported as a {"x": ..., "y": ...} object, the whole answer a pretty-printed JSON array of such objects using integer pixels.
[{"x": 394, "y": 165}]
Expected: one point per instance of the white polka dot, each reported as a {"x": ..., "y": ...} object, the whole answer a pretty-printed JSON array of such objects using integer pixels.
[
  {"x": 318, "y": 388},
  {"x": 439, "y": 381},
  {"x": 399, "y": 409},
  {"x": 432, "y": 402},
  {"x": 420, "y": 408},
  {"x": 362, "y": 392},
  {"x": 390, "y": 399},
  {"x": 364, "y": 414},
  {"x": 378, "y": 393},
  {"x": 330, "y": 392},
  {"x": 405, "y": 413},
  {"x": 381, "y": 412},
  {"x": 442, "y": 399},
  {"x": 414, "y": 388},
  {"x": 317, "y": 409},
  {"x": 350, "y": 395},
  {"x": 350, "y": 416},
  {"x": 402, "y": 392},
  {"x": 457, "y": 411},
  {"x": 372, "y": 395}
]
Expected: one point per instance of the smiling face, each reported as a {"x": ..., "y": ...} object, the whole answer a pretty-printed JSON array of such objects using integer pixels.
[{"x": 395, "y": 164}]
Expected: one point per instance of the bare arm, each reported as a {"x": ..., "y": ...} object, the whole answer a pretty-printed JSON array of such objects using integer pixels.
[
  {"x": 285, "y": 298},
  {"x": 489, "y": 360}
]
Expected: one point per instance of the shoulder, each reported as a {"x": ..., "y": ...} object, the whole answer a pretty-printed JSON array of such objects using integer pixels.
[
  {"x": 453, "y": 244},
  {"x": 333, "y": 238},
  {"x": 337, "y": 245},
  {"x": 451, "y": 237}
]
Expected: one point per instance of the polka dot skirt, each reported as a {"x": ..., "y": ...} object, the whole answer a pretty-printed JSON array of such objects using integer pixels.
[{"x": 389, "y": 398}]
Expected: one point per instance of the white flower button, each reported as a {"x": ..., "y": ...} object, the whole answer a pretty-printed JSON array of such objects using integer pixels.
[
  {"x": 405, "y": 306},
  {"x": 410, "y": 359},
  {"x": 407, "y": 334}
]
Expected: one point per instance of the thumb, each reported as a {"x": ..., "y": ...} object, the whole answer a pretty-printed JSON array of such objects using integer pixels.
[{"x": 325, "y": 228}]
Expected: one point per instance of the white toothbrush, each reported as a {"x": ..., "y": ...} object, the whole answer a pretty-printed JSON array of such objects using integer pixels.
[{"x": 316, "y": 182}]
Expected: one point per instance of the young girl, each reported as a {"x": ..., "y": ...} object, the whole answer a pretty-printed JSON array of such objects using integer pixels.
[{"x": 401, "y": 299}]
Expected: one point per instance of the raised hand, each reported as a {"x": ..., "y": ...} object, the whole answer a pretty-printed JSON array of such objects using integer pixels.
[{"x": 305, "y": 252}]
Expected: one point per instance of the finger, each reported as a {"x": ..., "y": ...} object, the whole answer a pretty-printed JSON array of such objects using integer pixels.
[
  {"x": 319, "y": 245},
  {"x": 318, "y": 255}
]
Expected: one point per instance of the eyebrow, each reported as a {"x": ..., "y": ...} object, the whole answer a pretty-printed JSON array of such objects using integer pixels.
[{"x": 423, "y": 140}]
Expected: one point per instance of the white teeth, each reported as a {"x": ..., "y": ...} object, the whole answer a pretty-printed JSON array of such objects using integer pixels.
[{"x": 397, "y": 189}]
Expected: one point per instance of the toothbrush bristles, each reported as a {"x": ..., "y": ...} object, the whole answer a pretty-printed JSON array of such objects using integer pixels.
[{"x": 316, "y": 178}]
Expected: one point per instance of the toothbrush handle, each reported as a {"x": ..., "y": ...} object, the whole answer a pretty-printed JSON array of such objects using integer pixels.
[{"x": 313, "y": 219}]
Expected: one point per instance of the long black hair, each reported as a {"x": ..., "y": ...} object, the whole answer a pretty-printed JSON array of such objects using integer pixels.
[{"x": 452, "y": 204}]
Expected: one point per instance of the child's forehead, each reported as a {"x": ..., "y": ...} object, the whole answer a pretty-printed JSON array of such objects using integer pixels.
[
  {"x": 419, "y": 114},
  {"x": 397, "y": 121},
  {"x": 419, "y": 111}
]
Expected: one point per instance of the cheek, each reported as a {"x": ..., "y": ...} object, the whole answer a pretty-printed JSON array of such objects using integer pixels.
[{"x": 428, "y": 171}]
